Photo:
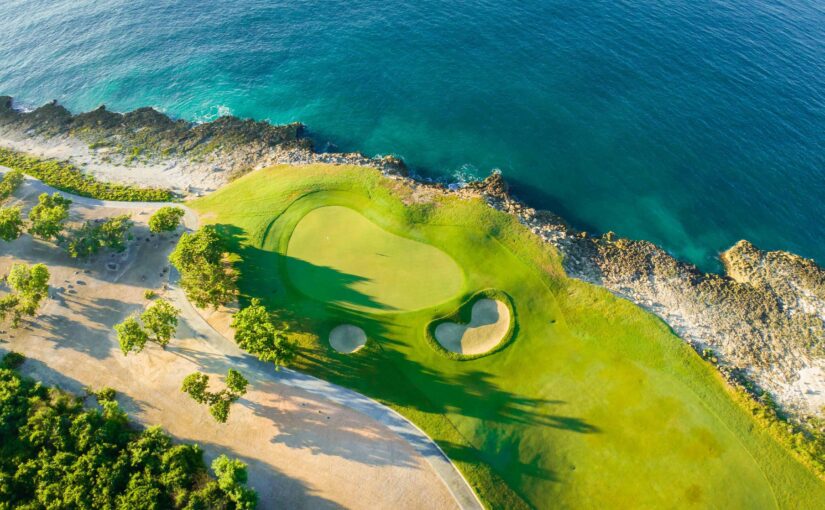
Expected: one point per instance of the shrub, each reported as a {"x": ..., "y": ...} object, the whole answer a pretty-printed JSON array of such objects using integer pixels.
[
  {"x": 149, "y": 294},
  {"x": 92, "y": 236},
  {"x": 67, "y": 177},
  {"x": 166, "y": 219},
  {"x": 11, "y": 223},
  {"x": 49, "y": 215},
  {"x": 9, "y": 183}
]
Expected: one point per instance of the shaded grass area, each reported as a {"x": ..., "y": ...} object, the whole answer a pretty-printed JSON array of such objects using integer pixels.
[
  {"x": 593, "y": 403},
  {"x": 464, "y": 314}
]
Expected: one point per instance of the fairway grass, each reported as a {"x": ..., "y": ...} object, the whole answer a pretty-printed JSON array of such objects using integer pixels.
[{"x": 593, "y": 403}]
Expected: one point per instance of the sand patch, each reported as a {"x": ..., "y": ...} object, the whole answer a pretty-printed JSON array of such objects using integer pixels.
[
  {"x": 347, "y": 338},
  {"x": 490, "y": 320}
]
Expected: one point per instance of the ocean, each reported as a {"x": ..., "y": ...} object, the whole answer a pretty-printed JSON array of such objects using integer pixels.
[{"x": 689, "y": 124}]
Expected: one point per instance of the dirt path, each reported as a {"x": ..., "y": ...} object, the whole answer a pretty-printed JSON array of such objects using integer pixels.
[{"x": 309, "y": 444}]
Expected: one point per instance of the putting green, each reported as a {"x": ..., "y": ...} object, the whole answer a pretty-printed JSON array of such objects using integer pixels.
[
  {"x": 593, "y": 403},
  {"x": 338, "y": 256}
]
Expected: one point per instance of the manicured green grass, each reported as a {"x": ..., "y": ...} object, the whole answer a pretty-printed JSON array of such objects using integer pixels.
[
  {"x": 386, "y": 271},
  {"x": 593, "y": 404}
]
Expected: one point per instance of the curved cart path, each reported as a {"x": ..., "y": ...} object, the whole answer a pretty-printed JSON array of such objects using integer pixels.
[{"x": 309, "y": 443}]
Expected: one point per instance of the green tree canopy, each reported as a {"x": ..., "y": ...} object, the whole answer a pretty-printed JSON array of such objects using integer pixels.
[
  {"x": 255, "y": 332},
  {"x": 11, "y": 223},
  {"x": 196, "y": 385},
  {"x": 94, "y": 235},
  {"x": 206, "y": 275},
  {"x": 49, "y": 216},
  {"x": 166, "y": 219},
  {"x": 131, "y": 336},
  {"x": 29, "y": 286},
  {"x": 161, "y": 319},
  {"x": 9, "y": 183},
  {"x": 56, "y": 454}
]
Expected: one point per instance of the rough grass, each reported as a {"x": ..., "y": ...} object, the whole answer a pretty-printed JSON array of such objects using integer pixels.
[{"x": 593, "y": 404}]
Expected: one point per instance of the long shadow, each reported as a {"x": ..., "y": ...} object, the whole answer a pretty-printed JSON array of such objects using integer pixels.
[
  {"x": 298, "y": 429},
  {"x": 275, "y": 489},
  {"x": 384, "y": 372},
  {"x": 261, "y": 269}
]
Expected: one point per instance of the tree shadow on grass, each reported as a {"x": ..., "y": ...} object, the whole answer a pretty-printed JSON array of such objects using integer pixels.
[
  {"x": 384, "y": 372},
  {"x": 260, "y": 271}
]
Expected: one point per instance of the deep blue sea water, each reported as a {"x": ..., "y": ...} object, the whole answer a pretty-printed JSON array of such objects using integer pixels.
[{"x": 692, "y": 124}]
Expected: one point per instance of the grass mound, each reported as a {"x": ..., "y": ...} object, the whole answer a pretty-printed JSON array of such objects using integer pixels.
[
  {"x": 592, "y": 403},
  {"x": 337, "y": 255}
]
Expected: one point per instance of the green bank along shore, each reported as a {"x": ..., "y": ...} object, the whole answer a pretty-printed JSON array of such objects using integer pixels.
[
  {"x": 595, "y": 400},
  {"x": 587, "y": 400}
]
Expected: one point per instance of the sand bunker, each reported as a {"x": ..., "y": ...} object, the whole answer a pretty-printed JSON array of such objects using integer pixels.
[
  {"x": 347, "y": 338},
  {"x": 487, "y": 328}
]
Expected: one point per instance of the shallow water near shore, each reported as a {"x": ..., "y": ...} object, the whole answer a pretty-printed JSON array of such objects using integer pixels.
[{"x": 690, "y": 125}]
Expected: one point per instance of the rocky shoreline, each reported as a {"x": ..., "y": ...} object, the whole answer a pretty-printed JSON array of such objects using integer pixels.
[{"x": 764, "y": 318}]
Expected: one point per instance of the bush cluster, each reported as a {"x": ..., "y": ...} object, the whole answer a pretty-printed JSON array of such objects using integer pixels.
[
  {"x": 10, "y": 182},
  {"x": 206, "y": 275},
  {"x": 67, "y": 177},
  {"x": 56, "y": 454}
]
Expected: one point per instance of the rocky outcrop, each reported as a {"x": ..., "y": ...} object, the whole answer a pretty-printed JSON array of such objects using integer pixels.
[
  {"x": 228, "y": 144},
  {"x": 765, "y": 316}
]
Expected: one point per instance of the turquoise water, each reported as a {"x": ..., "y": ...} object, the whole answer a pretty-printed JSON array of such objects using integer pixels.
[{"x": 690, "y": 124}]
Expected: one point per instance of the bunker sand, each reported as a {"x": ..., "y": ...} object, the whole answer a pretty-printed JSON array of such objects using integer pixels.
[{"x": 486, "y": 329}]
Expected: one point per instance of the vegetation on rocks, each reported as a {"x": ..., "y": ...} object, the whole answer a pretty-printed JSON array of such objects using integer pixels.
[
  {"x": 196, "y": 386},
  {"x": 56, "y": 454},
  {"x": 29, "y": 286},
  {"x": 207, "y": 276},
  {"x": 67, "y": 177}
]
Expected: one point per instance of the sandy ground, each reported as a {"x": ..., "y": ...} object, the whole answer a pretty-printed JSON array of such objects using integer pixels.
[
  {"x": 178, "y": 174},
  {"x": 347, "y": 338},
  {"x": 489, "y": 322},
  {"x": 304, "y": 450}
]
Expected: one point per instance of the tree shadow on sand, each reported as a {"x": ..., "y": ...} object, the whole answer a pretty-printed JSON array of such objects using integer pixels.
[{"x": 406, "y": 382}]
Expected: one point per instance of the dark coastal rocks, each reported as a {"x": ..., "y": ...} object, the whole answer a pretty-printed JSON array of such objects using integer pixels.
[
  {"x": 765, "y": 317},
  {"x": 229, "y": 144}
]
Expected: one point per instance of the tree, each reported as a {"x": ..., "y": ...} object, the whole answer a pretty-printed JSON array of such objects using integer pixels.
[
  {"x": 92, "y": 236},
  {"x": 206, "y": 275},
  {"x": 131, "y": 336},
  {"x": 57, "y": 454},
  {"x": 196, "y": 385},
  {"x": 11, "y": 223},
  {"x": 29, "y": 285},
  {"x": 49, "y": 215},
  {"x": 232, "y": 477},
  {"x": 256, "y": 333},
  {"x": 161, "y": 319},
  {"x": 166, "y": 219}
]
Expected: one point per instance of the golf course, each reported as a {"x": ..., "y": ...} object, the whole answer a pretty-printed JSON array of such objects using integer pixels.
[{"x": 543, "y": 390}]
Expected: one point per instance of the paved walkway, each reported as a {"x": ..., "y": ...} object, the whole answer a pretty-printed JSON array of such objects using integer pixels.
[{"x": 463, "y": 495}]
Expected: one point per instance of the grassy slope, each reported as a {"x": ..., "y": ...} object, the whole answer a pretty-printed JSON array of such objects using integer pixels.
[{"x": 594, "y": 404}]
